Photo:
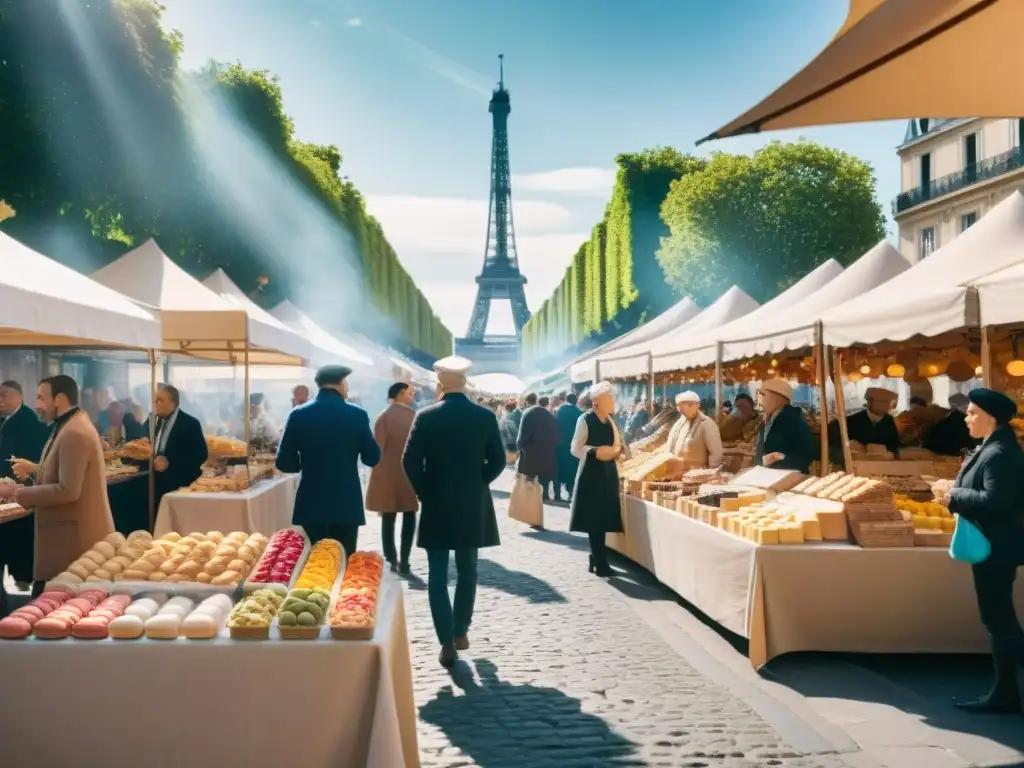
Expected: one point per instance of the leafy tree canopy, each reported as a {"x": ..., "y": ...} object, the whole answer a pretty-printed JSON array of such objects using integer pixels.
[{"x": 764, "y": 221}]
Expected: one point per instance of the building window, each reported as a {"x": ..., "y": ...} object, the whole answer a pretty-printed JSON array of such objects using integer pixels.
[
  {"x": 927, "y": 242},
  {"x": 967, "y": 220},
  {"x": 926, "y": 175}
]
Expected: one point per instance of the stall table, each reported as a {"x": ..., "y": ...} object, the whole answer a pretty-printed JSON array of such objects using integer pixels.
[
  {"x": 214, "y": 703},
  {"x": 809, "y": 597},
  {"x": 265, "y": 507}
]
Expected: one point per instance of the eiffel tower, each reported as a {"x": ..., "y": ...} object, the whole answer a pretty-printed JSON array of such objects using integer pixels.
[{"x": 500, "y": 277}]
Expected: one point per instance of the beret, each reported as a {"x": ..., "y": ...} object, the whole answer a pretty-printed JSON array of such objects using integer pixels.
[
  {"x": 995, "y": 404},
  {"x": 332, "y": 374}
]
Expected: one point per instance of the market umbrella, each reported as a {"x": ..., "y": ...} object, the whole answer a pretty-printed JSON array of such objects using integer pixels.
[{"x": 895, "y": 59}]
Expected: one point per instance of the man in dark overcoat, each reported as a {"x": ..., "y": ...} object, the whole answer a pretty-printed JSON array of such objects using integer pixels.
[
  {"x": 325, "y": 440},
  {"x": 537, "y": 443},
  {"x": 567, "y": 415},
  {"x": 453, "y": 455},
  {"x": 22, "y": 435}
]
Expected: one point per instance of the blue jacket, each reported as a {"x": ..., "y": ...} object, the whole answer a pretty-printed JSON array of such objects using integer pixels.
[{"x": 324, "y": 439}]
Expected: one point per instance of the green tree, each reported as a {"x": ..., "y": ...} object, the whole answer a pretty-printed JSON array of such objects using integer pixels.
[{"x": 765, "y": 220}]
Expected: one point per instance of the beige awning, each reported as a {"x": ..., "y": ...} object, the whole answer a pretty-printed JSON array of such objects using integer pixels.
[{"x": 897, "y": 59}]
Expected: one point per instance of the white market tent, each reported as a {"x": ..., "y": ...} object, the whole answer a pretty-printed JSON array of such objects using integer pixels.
[
  {"x": 1001, "y": 295},
  {"x": 583, "y": 368},
  {"x": 46, "y": 304},
  {"x": 265, "y": 330},
  {"x": 703, "y": 349},
  {"x": 932, "y": 297},
  {"x": 794, "y": 327},
  {"x": 194, "y": 321},
  {"x": 326, "y": 348},
  {"x": 497, "y": 384},
  {"x": 635, "y": 359}
]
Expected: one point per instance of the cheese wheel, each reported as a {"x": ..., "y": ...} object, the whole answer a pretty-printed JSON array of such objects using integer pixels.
[
  {"x": 127, "y": 627},
  {"x": 200, "y": 626},
  {"x": 163, "y": 626}
]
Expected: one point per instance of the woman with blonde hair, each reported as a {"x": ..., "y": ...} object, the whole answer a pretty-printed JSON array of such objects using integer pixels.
[{"x": 597, "y": 443}]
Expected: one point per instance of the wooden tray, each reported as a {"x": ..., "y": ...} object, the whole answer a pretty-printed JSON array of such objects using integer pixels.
[
  {"x": 312, "y": 633},
  {"x": 362, "y": 633},
  {"x": 249, "y": 633},
  {"x": 248, "y": 587}
]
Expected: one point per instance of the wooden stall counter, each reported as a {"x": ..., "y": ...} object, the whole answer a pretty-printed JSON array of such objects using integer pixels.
[{"x": 827, "y": 596}]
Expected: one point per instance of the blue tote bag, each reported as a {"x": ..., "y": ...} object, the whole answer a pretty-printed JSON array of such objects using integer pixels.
[{"x": 969, "y": 544}]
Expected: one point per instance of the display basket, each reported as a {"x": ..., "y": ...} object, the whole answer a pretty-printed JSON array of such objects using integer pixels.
[
  {"x": 364, "y": 632},
  {"x": 248, "y": 587},
  {"x": 314, "y": 632}
]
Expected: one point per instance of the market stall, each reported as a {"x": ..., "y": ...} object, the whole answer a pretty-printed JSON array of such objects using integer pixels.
[
  {"x": 247, "y": 634},
  {"x": 583, "y": 369},
  {"x": 203, "y": 326},
  {"x": 263, "y": 508}
]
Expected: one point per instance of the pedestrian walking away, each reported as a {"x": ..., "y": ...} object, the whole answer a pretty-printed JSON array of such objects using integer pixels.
[
  {"x": 389, "y": 491},
  {"x": 452, "y": 480},
  {"x": 538, "y": 445},
  {"x": 567, "y": 415},
  {"x": 596, "y": 508},
  {"x": 324, "y": 440}
]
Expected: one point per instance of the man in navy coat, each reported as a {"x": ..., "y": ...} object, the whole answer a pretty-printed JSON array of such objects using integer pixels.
[
  {"x": 324, "y": 439},
  {"x": 453, "y": 454}
]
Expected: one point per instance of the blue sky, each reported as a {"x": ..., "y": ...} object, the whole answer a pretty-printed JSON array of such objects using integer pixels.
[{"x": 401, "y": 87}]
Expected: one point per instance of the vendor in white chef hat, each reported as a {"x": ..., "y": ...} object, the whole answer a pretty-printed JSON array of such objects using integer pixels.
[{"x": 695, "y": 437}]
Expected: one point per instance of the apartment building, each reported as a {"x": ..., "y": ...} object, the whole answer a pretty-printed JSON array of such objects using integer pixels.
[{"x": 953, "y": 173}]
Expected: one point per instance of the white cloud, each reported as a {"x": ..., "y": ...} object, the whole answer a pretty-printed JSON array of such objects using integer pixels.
[
  {"x": 441, "y": 242},
  {"x": 353, "y": 22},
  {"x": 584, "y": 182}
]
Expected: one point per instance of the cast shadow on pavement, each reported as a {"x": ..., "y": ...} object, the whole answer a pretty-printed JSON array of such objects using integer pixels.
[
  {"x": 571, "y": 540},
  {"x": 496, "y": 576},
  {"x": 498, "y": 724},
  {"x": 922, "y": 684}
]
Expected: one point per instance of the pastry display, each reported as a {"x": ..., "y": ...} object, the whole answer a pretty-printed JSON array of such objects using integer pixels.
[
  {"x": 230, "y": 483},
  {"x": 132, "y": 624},
  {"x": 225, "y": 447},
  {"x": 115, "y": 469},
  {"x": 11, "y": 511},
  {"x": 280, "y": 559},
  {"x": 165, "y": 624},
  {"x": 19, "y": 623},
  {"x": 355, "y": 613},
  {"x": 139, "y": 450},
  {"x": 302, "y": 613},
  {"x": 322, "y": 566},
  {"x": 95, "y": 625},
  {"x": 252, "y": 617},
  {"x": 198, "y": 558},
  {"x": 207, "y": 619},
  {"x": 57, "y": 624}
]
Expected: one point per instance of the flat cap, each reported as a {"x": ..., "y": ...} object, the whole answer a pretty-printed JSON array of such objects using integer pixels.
[
  {"x": 995, "y": 404},
  {"x": 880, "y": 393},
  {"x": 687, "y": 397},
  {"x": 332, "y": 374}
]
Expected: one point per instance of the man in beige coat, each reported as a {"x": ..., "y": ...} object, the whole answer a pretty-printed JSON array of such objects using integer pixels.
[
  {"x": 389, "y": 492},
  {"x": 695, "y": 438},
  {"x": 69, "y": 497}
]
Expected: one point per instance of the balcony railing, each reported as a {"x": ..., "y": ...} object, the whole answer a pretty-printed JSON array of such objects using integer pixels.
[{"x": 954, "y": 182}]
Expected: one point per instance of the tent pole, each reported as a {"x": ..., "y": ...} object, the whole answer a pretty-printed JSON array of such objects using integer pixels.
[
  {"x": 821, "y": 372},
  {"x": 986, "y": 355},
  {"x": 153, "y": 443},
  {"x": 719, "y": 389},
  {"x": 837, "y": 373},
  {"x": 650, "y": 385}
]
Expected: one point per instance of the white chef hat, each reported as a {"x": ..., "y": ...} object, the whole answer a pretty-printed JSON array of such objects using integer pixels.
[
  {"x": 452, "y": 373},
  {"x": 601, "y": 388},
  {"x": 687, "y": 397}
]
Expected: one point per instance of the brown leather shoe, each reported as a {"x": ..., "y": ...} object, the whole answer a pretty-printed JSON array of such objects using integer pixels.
[
  {"x": 448, "y": 655},
  {"x": 462, "y": 643}
]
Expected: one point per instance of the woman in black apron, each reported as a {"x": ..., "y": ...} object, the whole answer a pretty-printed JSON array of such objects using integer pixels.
[{"x": 596, "y": 508}]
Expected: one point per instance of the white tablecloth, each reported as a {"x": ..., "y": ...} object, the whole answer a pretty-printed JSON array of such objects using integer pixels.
[
  {"x": 212, "y": 704},
  {"x": 264, "y": 508}
]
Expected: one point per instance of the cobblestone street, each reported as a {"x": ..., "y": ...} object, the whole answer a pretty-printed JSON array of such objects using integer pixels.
[{"x": 562, "y": 672}]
